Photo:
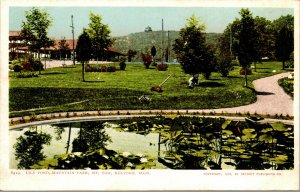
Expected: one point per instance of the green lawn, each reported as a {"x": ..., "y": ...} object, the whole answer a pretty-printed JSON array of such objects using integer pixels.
[
  {"x": 287, "y": 85},
  {"x": 60, "y": 88}
]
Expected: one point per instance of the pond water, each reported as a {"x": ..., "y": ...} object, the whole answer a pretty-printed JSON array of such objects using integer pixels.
[
  {"x": 155, "y": 143},
  {"x": 120, "y": 141}
]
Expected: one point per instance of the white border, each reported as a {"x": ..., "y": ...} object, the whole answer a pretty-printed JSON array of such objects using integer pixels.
[{"x": 157, "y": 180}]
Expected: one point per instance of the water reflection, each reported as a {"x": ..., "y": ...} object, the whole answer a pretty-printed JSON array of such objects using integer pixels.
[
  {"x": 179, "y": 143},
  {"x": 28, "y": 148},
  {"x": 91, "y": 136}
]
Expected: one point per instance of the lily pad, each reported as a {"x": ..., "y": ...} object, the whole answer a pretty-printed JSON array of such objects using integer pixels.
[
  {"x": 280, "y": 159},
  {"x": 227, "y": 132},
  {"x": 225, "y": 124},
  {"x": 266, "y": 138},
  {"x": 279, "y": 127},
  {"x": 248, "y": 130}
]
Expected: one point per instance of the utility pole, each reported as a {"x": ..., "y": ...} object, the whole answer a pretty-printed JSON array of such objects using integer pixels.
[
  {"x": 162, "y": 41},
  {"x": 72, "y": 26},
  {"x": 169, "y": 52}
]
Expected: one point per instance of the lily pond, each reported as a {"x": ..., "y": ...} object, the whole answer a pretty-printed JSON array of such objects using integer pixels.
[{"x": 179, "y": 142}]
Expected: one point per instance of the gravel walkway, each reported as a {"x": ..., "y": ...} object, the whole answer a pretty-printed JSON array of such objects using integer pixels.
[{"x": 271, "y": 98}]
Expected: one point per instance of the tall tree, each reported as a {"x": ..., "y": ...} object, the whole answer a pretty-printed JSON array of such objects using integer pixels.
[
  {"x": 247, "y": 38},
  {"x": 34, "y": 30},
  {"x": 191, "y": 50},
  {"x": 263, "y": 43},
  {"x": 284, "y": 38},
  {"x": 99, "y": 34},
  {"x": 83, "y": 50},
  {"x": 224, "y": 55}
]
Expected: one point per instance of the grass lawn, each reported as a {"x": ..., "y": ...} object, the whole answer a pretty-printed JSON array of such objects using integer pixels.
[{"x": 61, "y": 89}]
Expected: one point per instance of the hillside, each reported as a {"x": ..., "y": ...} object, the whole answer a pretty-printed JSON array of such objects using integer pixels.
[{"x": 143, "y": 41}]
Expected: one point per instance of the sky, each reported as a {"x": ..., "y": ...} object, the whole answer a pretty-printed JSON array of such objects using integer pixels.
[{"x": 125, "y": 20}]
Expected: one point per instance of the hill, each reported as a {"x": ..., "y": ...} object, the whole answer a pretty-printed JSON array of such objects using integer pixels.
[{"x": 143, "y": 41}]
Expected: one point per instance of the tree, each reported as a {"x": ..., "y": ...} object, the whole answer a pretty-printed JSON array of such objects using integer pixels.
[
  {"x": 131, "y": 54},
  {"x": 191, "y": 50},
  {"x": 99, "y": 34},
  {"x": 247, "y": 38},
  {"x": 34, "y": 30},
  {"x": 83, "y": 50},
  {"x": 153, "y": 53},
  {"x": 63, "y": 47},
  {"x": 263, "y": 43},
  {"x": 224, "y": 55},
  {"x": 284, "y": 38}
]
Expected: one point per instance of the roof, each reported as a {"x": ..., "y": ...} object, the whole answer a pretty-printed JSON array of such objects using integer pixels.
[{"x": 16, "y": 35}]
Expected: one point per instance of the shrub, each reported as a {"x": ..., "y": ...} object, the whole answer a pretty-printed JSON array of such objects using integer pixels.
[
  {"x": 147, "y": 59},
  {"x": 290, "y": 63},
  {"x": 242, "y": 71},
  {"x": 224, "y": 65},
  {"x": 162, "y": 67},
  {"x": 111, "y": 69},
  {"x": 26, "y": 66},
  {"x": 122, "y": 63},
  {"x": 17, "y": 67},
  {"x": 26, "y": 75},
  {"x": 103, "y": 68},
  {"x": 36, "y": 64},
  {"x": 90, "y": 68}
]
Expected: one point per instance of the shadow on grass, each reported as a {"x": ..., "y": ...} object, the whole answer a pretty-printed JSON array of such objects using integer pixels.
[
  {"x": 260, "y": 92},
  {"x": 52, "y": 73},
  {"x": 94, "y": 81},
  {"x": 263, "y": 68},
  {"x": 211, "y": 84},
  {"x": 234, "y": 77}
]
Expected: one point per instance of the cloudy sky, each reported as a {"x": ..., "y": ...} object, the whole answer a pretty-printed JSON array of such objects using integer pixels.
[{"x": 126, "y": 20}]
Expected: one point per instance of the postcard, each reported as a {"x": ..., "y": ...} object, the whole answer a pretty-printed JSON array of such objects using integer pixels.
[{"x": 149, "y": 95}]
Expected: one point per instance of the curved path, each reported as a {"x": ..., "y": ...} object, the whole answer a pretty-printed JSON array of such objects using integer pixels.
[{"x": 271, "y": 100}]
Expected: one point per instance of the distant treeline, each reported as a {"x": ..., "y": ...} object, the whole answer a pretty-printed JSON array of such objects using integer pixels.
[{"x": 142, "y": 42}]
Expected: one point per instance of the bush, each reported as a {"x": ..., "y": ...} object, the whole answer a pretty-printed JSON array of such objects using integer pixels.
[
  {"x": 24, "y": 64},
  {"x": 111, "y": 69},
  {"x": 90, "y": 68},
  {"x": 122, "y": 63},
  {"x": 290, "y": 63},
  {"x": 103, "y": 68},
  {"x": 36, "y": 64},
  {"x": 17, "y": 67},
  {"x": 242, "y": 71},
  {"x": 26, "y": 75},
  {"x": 147, "y": 59},
  {"x": 162, "y": 67}
]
